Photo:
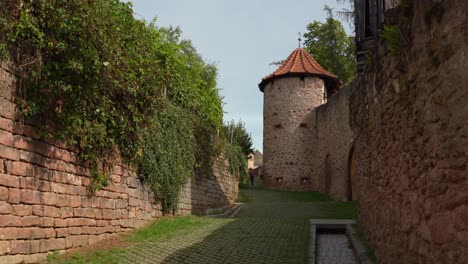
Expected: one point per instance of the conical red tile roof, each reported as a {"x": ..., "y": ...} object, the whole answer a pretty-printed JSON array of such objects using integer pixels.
[{"x": 301, "y": 63}]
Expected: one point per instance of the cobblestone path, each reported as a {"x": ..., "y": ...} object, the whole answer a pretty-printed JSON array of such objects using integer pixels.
[{"x": 272, "y": 228}]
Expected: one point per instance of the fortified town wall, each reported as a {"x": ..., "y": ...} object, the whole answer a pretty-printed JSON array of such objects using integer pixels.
[
  {"x": 409, "y": 112},
  {"x": 44, "y": 203}
]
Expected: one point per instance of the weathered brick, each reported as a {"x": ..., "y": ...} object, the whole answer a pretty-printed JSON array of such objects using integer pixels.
[
  {"x": 9, "y": 180},
  {"x": 44, "y": 186},
  {"x": 66, "y": 212},
  {"x": 25, "y": 143},
  {"x": 5, "y": 208},
  {"x": 33, "y": 158},
  {"x": 109, "y": 214},
  {"x": 47, "y": 222},
  {"x": 102, "y": 223},
  {"x": 62, "y": 232},
  {"x": 75, "y": 201},
  {"x": 10, "y": 233},
  {"x": 77, "y": 221},
  {"x": 9, "y": 220},
  {"x": 35, "y": 258},
  {"x": 134, "y": 202},
  {"x": 74, "y": 190},
  {"x": 20, "y": 168},
  {"x": 75, "y": 230},
  {"x": 29, "y": 131},
  {"x": 133, "y": 182},
  {"x": 1, "y": 166},
  {"x": 89, "y": 212},
  {"x": 13, "y": 259},
  {"x": 6, "y": 124},
  {"x": 6, "y": 138},
  {"x": 52, "y": 244},
  {"x": 48, "y": 211},
  {"x": 9, "y": 153},
  {"x": 57, "y": 187},
  {"x": 88, "y": 230},
  {"x": 49, "y": 198},
  {"x": 28, "y": 182},
  {"x": 85, "y": 182},
  {"x": 63, "y": 200},
  {"x": 61, "y": 222},
  {"x": 3, "y": 194},
  {"x": 30, "y": 220},
  {"x": 80, "y": 241},
  {"x": 121, "y": 204},
  {"x": 107, "y": 203},
  {"x": 22, "y": 210},
  {"x": 20, "y": 247},
  {"x": 5, "y": 247},
  {"x": 73, "y": 179},
  {"x": 30, "y": 197},
  {"x": 78, "y": 212},
  {"x": 34, "y": 246},
  {"x": 47, "y": 232},
  {"x": 5, "y": 88},
  {"x": 14, "y": 196},
  {"x": 69, "y": 242}
]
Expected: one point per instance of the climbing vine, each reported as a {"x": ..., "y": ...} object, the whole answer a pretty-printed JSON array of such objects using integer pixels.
[
  {"x": 107, "y": 84},
  {"x": 167, "y": 158}
]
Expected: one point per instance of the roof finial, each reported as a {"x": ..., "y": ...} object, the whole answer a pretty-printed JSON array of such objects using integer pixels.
[{"x": 299, "y": 39}]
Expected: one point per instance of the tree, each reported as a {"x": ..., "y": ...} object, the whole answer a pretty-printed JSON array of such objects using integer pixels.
[
  {"x": 331, "y": 47},
  {"x": 237, "y": 134}
]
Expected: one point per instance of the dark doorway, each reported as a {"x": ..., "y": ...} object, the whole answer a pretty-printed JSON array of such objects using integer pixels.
[
  {"x": 328, "y": 174},
  {"x": 351, "y": 176}
]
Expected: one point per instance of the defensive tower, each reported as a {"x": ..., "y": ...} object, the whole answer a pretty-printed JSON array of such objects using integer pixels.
[{"x": 291, "y": 93}]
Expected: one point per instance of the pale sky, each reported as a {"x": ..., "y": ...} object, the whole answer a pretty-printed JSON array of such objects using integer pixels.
[{"x": 242, "y": 37}]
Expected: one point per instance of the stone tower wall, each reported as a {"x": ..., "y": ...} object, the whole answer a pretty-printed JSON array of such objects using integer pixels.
[{"x": 289, "y": 138}]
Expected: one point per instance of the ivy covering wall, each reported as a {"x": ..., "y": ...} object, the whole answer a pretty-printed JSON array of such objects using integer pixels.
[{"x": 109, "y": 84}]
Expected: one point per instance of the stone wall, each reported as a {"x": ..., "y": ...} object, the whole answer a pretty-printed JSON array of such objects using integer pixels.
[
  {"x": 288, "y": 138},
  {"x": 44, "y": 204},
  {"x": 217, "y": 190},
  {"x": 334, "y": 143},
  {"x": 410, "y": 115}
]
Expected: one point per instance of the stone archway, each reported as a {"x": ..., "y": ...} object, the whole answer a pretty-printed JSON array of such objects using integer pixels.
[{"x": 351, "y": 193}]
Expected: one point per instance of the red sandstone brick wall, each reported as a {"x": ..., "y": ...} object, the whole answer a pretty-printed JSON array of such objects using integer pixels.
[
  {"x": 410, "y": 113},
  {"x": 44, "y": 205}
]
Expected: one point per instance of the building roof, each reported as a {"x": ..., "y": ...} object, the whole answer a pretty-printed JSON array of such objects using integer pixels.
[{"x": 301, "y": 63}]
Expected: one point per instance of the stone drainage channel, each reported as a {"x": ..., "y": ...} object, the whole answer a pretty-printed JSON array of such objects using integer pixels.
[{"x": 334, "y": 241}]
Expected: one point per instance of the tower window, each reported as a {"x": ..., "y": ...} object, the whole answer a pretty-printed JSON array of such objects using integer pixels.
[
  {"x": 305, "y": 180},
  {"x": 303, "y": 125},
  {"x": 278, "y": 126},
  {"x": 325, "y": 95}
]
